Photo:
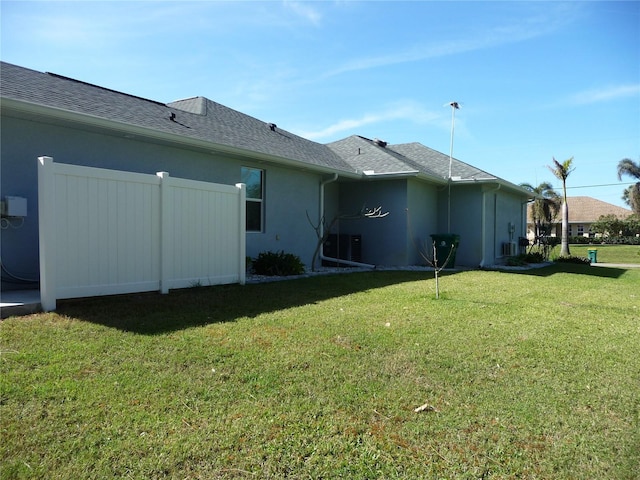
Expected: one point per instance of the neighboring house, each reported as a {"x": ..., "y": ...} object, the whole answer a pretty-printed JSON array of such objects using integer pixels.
[
  {"x": 290, "y": 180},
  {"x": 583, "y": 212}
]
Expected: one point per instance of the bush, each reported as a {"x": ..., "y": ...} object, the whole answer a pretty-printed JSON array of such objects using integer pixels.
[
  {"x": 533, "y": 257},
  {"x": 628, "y": 240},
  {"x": 582, "y": 240},
  {"x": 516, "y": 261},
  {"x": 525, "y": 259},
  {"x": 277, "y": 264},
  {"x": 571, "y": 259}
]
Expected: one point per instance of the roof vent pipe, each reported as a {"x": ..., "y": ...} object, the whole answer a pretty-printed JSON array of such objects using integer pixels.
[{"x": 272, "y": 127}]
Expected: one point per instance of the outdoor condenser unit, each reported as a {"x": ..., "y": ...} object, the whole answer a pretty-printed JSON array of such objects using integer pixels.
[
  {"x": 344, "y": 247},
  {"x": 509, "y": 249},
  {"x": 14, "y": 207}
]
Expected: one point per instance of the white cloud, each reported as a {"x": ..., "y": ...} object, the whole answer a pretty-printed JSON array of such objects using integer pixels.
[
  {"x": 409, "y": 111},
  {"x": 304, "y": 10},
  {"x": 605, "y": 94},
  {"x": 468, "y": 41}
]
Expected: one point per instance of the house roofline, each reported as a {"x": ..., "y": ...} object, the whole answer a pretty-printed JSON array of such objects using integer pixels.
[
  {"x": 503, "y": 183},
  {"x": 370, "y": 175},
  {"x": 495, "y": 180},
  {"x": 128, "y": 130}
]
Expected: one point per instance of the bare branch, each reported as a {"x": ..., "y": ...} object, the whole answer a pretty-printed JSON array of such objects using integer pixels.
[{"x": 323, "y": 230}]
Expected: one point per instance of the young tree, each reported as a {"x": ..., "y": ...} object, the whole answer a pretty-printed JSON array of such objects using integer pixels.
[
  {"x": 544, "y": 209},
  {"x": 430, "y": 255},
  {"x": 631, "y": 196},
  {"x": 562, "y": 171}
]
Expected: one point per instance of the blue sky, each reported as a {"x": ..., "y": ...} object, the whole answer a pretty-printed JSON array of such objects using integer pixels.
[{"x": 536, "y": 80}]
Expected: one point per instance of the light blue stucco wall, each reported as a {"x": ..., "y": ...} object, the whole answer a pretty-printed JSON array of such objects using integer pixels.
[
  {"x": 511, "y": 220},
  {"x": 289, "y": 194},
  {"x": 396, "y": 238},
  {"x": 384, "y": 240},
  {"x": 465, "y": 220},
  {"x": 422, "y": 220},
  {"x": 481, "y": 214}
]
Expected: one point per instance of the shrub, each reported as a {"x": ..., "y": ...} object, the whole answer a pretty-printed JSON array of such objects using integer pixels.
[
  {"x": 277, "y": 264},
  {"x": 533, "y": 257},
  {"x": 571, "y": 259},
  {"x": 581, "y": 240},
  {"x": 518, "y": 261}
]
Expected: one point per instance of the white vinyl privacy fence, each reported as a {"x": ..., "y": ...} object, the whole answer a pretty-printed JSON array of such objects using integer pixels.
[{"x": 105, "y": 232}]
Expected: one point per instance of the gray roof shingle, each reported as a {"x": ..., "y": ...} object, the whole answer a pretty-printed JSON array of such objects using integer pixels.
[
  {"x": 433, "y": 161},
  {"x": 409, "y": 158},
  {"x": 197, "y": 118}
]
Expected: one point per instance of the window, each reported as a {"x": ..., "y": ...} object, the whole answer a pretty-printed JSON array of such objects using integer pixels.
[
  {"x": 581, "y": 230},
  {"x": 253, "y": 178}
]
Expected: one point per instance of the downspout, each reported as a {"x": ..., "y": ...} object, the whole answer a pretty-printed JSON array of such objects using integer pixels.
[
  {"x": 322, "y": 255},
  {"x": 484, "y": 224},
  {"x": 524, "y": 227}
]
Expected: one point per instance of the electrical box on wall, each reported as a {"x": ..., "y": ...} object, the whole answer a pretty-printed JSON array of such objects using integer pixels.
[{"x": 14, "y": 207}]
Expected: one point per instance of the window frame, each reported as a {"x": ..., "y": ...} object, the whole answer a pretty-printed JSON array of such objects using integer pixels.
[{"x": 245, "y": 174}]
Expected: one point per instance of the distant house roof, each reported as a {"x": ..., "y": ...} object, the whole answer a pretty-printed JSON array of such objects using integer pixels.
[
  {"x": 589, "y": 210},
  {"x": 197, "y": 120}
]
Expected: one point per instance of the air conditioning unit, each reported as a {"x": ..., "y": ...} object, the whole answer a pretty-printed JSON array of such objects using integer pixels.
[
  {"x": 14, "y": 207},
  {"x": 343, "y": 247},
  {"x": 509, "y": 249}
]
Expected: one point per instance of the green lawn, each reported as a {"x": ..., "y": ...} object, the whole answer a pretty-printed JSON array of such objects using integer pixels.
[
  {"x": 530, "y": 375},
  {"x": 606, "y": 253}
]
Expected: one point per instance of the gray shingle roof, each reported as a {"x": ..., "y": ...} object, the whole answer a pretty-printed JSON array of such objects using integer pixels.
[
  {"x": 197, "y": 118},
  {"x": 365, "y": 155},
  {"x": 408, "y": 158},
  {"x": 433, "y": 161}
]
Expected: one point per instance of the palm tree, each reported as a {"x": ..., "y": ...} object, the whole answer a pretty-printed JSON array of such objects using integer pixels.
[
  {"x": 562, "y": 171},
  {"x": 544, "y": 209},
  {"x": 631, "y": 194}
]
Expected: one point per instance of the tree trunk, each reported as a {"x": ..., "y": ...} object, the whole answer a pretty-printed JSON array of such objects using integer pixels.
[{"x": 564, "y": 246}]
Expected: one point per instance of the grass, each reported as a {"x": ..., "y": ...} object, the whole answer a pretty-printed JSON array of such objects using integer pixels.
[
  {"x": 606, "y": 253},
  {"x": 525, "y": 375}
]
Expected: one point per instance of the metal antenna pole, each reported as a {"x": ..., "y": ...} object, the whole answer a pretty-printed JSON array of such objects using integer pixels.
[{"x": 454, "y": 107}]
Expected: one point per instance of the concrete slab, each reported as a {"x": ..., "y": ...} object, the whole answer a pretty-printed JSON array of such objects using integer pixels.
[{"x": 19, "y": 302}]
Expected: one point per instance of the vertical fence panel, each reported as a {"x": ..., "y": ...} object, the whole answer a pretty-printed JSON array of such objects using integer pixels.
[
  {"x": 107, "y": 232},
  {"x": 200, "y": 256}
]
